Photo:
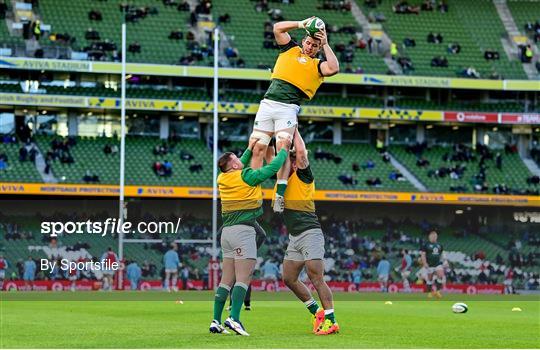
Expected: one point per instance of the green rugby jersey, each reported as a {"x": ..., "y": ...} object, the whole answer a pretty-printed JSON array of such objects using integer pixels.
[{"x": 433, "y": 253}]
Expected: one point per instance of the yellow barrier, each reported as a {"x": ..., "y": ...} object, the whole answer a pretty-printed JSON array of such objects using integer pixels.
[
  {"x": 320, "y": 195},
  {"x": 261, "y": 74}
]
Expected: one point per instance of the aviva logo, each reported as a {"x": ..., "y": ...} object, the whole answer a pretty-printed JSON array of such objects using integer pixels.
[{"x": 11, "y": 188}]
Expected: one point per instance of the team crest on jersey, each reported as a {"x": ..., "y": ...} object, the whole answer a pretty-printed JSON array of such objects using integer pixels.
[{"x": 302, "y": 60}]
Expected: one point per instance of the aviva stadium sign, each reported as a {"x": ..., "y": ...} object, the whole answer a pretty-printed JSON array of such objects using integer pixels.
[{"x": 262, "y": 74}]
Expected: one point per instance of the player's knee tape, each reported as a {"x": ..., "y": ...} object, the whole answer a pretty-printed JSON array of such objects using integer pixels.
[
  {"x": 261, "y": 136},
  {"x": 283, "y": 135}
]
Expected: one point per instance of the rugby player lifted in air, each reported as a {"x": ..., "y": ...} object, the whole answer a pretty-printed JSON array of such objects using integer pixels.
[{"x": 296, "y": 76}]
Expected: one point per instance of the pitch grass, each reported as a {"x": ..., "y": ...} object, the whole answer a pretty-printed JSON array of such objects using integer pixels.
[{"x": 78, "y": 322}]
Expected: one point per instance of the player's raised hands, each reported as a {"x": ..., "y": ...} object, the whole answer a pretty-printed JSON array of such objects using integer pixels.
[
  {"x": 321, "y": 35},
  {"x": 252, "y": 142},
  {"x": 302, "y": 24}
]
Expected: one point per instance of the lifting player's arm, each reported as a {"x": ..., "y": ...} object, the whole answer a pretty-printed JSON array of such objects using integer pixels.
[
  {"x": 331, "y": 65},
  {"x": 281, "y": 29},
  {"x": 246, "y": 156},
  {"x": 302, "y": 161},
  {"x": 256, "y": 177}
]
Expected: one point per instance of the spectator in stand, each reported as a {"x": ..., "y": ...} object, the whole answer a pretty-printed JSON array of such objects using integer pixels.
[
  {"x": 134, "y": 47},
  {"x": 434, "y": 38},
  {"x": 422, "y": 162},
  {"x": 90, "y": 178},
  {"x": 167, "y": 166},
  {"x": 403, "y": 7},
  {"x": 393, "y": 50},
  {"x": 439, "y": 61},
  {"x": 92, "y": 34},
  {"x": 376, "y": 182},
  {"x": 225, "y": 18},
  {"x": 443, "y": 6},
  {"x": 454, "y": 48},
  {"x": 196, "y": 168},
  {"x": 262, "y": 6},
  {"x": 36, "y": 29},
  {"x": 183, "y": 6},
  {"x": 526, "y": 53},
  {"x": 158, "y": 168},
  {"x": 427, "y": 5},
  {"x": 409, "y": 42},
  {"x": 176, "y": 35},
  {"x": 406, "y": 64},
  {"x": 95, "y": 15},
  {"x": 491, "y": 55},
  {"x": 369, "y": 164},
  {"x": 347, "y": 179},
  {"x": 470, "y": 72},
  {"x": 396, "y": 176}
]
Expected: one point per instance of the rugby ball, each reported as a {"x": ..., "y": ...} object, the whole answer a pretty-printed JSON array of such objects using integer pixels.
[
  {"x": 460, "y": 308},
  {"x": 314, "y": 25}
]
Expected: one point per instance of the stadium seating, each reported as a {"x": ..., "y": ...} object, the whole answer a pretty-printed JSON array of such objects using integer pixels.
[
  {"x": 151, "y": 32},
  {"x": 86, "y": 154},
  {"x": 247, "y": 28},
  {"x": 326, "y": 172},
  {"x": 89, "y": 156},
  {"x": 514, "y": 173},
  {"x": 231, "y": 95},
  {"x": 139, "y": 161},
  {"x": 17, "y": 171},
  {"x": 475, "y": 27}
]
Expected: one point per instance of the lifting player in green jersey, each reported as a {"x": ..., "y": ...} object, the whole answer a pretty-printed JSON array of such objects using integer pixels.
[{"x": 433, "y": 263}]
